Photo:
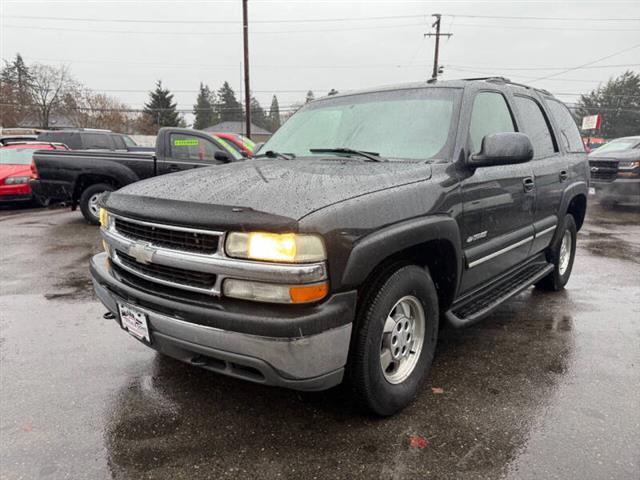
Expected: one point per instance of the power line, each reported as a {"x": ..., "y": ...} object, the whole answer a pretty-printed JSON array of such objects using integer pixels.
[
  {"x": 315, "y": 20},
  {"x": 588, "y": 63},
  {"x": 577, "y": 19}
]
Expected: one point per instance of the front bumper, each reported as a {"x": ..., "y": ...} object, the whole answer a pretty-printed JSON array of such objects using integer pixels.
[
  {"x": 623, "y": 190},
  {"x": 303, "y": 352},
  {"x": 15, "y": 193}
]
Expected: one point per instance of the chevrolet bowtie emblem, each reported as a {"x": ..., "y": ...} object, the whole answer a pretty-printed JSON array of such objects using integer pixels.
[
  {"x": 142, "y": 252},
  {"x": 594, "y": 169}
]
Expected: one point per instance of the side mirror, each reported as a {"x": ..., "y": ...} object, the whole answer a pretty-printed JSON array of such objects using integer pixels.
[
  {"x": 502, "y": 149},
  {"x": 223, "y": 157}
]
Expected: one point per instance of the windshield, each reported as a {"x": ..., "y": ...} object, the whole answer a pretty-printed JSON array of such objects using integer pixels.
[
  {"x": 618, "y": 145},
  {"x": 16, "y": 156},
  {"x": 412, "y": 124}
]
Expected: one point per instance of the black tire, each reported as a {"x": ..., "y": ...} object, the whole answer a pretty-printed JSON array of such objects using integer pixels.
[
  {"x": 373, "y": 390},
  {"x": 87, "y": 198},
  {"x": 556, "y": 281}
]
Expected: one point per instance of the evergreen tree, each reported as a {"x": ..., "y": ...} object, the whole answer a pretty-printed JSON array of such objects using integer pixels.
[
  {"x": 203, "y": 109},
  {"x": 274, "y": 115},
  {"x": 161, "y": 109},
  {"x": 310, "y": 97},
  {"x": 258, "y": 117},
  {"x": 15, "y": 89},
  {"x": 619, "y": 103},
  {"x": 228, "y": 107}
]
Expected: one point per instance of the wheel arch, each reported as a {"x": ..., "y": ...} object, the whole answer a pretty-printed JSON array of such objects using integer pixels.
[{"x": 432, "y": 242}]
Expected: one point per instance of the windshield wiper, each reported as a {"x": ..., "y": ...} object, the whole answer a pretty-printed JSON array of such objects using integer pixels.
[
  {"x": 373, "y": 156},
  {"x": 274, "y": 154}
]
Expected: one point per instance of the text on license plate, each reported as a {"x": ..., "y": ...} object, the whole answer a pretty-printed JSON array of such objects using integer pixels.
[{"x": 134, "y": 321}]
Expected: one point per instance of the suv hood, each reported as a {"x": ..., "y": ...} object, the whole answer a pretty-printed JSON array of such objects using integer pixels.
[
  {"x": 620, "y": 155},
  {"x": 285, "y": 188}
]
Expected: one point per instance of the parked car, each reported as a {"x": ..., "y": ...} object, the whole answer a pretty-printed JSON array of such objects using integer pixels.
[
  {"x": 91, "y": 139},
  {"x": 615, "y": 171},
  {"x": 365, "y": 219},
  {"x": 16, "y": 170},
  {"x": 80, "y": 177},
  {"x": 240, "y": 143}
]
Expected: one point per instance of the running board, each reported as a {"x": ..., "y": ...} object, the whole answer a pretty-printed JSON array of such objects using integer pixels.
[{"x": 474, "y": 307}]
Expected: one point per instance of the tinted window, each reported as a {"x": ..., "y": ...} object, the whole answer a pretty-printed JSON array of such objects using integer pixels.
[
  {"x": 70, "y": 139},
  {"x": 569, "y": 134},
  {"x": 96, "y": 141},
  {"x": 490, "y": 115},
  {"x": 535, "y": 124},
  {"x": 118, "y": 142},
  {"x": 412, "y": 124},
  {"x": 192, "y": 148}
]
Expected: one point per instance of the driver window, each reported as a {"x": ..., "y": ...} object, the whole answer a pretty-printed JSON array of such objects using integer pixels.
[{"x": 490, "y": 114}]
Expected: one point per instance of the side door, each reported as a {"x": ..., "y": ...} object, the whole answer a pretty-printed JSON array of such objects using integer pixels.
[
  {"x": 497, "y": 201},
  {"x": 550, "y": 167},
  {"x": 189, "y": 150}
]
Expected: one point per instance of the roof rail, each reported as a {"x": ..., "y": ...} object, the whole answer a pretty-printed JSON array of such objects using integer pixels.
[{"x": 494, "y": 78}]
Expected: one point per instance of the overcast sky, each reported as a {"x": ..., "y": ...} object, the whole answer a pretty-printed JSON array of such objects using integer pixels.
[{"x": 294, "y": 47}]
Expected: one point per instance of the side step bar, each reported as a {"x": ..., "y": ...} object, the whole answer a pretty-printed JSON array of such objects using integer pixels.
[{"x": 477, "y": 305}]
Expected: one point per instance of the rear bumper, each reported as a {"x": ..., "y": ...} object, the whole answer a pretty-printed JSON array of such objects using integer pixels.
[
  {"x": 624, "y": 190},
  {"x": 52, "y": 190},
  {"x": 314, "y": 361},
  {"x": 15, "y": 193}
]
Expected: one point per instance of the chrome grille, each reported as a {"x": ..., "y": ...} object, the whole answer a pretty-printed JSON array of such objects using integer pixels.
[
  {"x": 187, "y": 240},
  {"x": 603, "y": 170},
  {"x": 177, "y": 276}
]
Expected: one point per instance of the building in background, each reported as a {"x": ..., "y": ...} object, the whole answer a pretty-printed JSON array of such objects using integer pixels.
[{"x": 258, "y": 134}]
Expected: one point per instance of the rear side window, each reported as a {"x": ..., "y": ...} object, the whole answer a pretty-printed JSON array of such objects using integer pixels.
[
  {"x": 70, "y": 139},
  {"x": 536, "y": 126},
  {"x": 569, "y": 134},
  {"x": 192, "y": 148},
  {"x": 96, "y": 141},
  {"x": 490, "y": 115}
]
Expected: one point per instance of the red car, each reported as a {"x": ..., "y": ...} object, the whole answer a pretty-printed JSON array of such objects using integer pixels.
[
  {"x": 17, "y": 170},
  {"x": 239, "y": 143}
]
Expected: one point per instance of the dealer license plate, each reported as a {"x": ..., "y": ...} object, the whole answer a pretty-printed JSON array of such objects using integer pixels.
[{"x": 134, "y": 321}]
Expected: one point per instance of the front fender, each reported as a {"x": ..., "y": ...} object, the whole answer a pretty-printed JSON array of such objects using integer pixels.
[{"x": 373, "y": 249}]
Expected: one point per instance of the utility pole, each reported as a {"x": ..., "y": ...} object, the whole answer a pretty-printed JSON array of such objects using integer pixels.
[
  {"x": 247, "y": 90},
  {"x": 436, "y": 24}
]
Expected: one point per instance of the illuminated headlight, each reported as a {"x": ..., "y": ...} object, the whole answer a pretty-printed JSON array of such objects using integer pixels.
[
  {"x": 275, "y": 247},
  {"x": 628, "y": 165},
  {"x": 105, "y": 218},
  {"x": 16, "y": 180},
  {"x": 274, "y": 293}
]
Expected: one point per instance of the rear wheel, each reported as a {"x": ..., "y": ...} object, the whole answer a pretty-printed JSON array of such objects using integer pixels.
[
  {"x": 561, "y": 255},
  {"x": 89, "y": 201},
  {"x": 395, "y": 340}
]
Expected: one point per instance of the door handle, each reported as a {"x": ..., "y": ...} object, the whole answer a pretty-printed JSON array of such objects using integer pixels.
[
  {"x": 564, "y": 176},
  {"x": 528, "y": 184}
]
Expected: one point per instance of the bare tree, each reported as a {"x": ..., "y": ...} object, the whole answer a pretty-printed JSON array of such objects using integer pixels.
[{"x": 49, "y": 87}]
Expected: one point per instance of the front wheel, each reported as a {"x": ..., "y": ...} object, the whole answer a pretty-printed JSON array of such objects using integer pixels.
[
  {"x": 395, "y": 340},
  {"x": 561, "y": 255},
  {"x": 89, "y": 201}
]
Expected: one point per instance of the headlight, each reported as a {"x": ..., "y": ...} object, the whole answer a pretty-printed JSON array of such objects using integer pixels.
[
  {"x": 16, "y": 180},
  {"x": 276, "y": 247},
  {"x": 628, "y": 165},
  {"x": 104, "y": 218}
]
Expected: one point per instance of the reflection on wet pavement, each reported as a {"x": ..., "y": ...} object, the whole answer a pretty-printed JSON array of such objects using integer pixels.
[{"x": 547, "y": 387}]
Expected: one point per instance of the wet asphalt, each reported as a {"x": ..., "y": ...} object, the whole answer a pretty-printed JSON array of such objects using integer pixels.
[{"x": 547, "y": 387}]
